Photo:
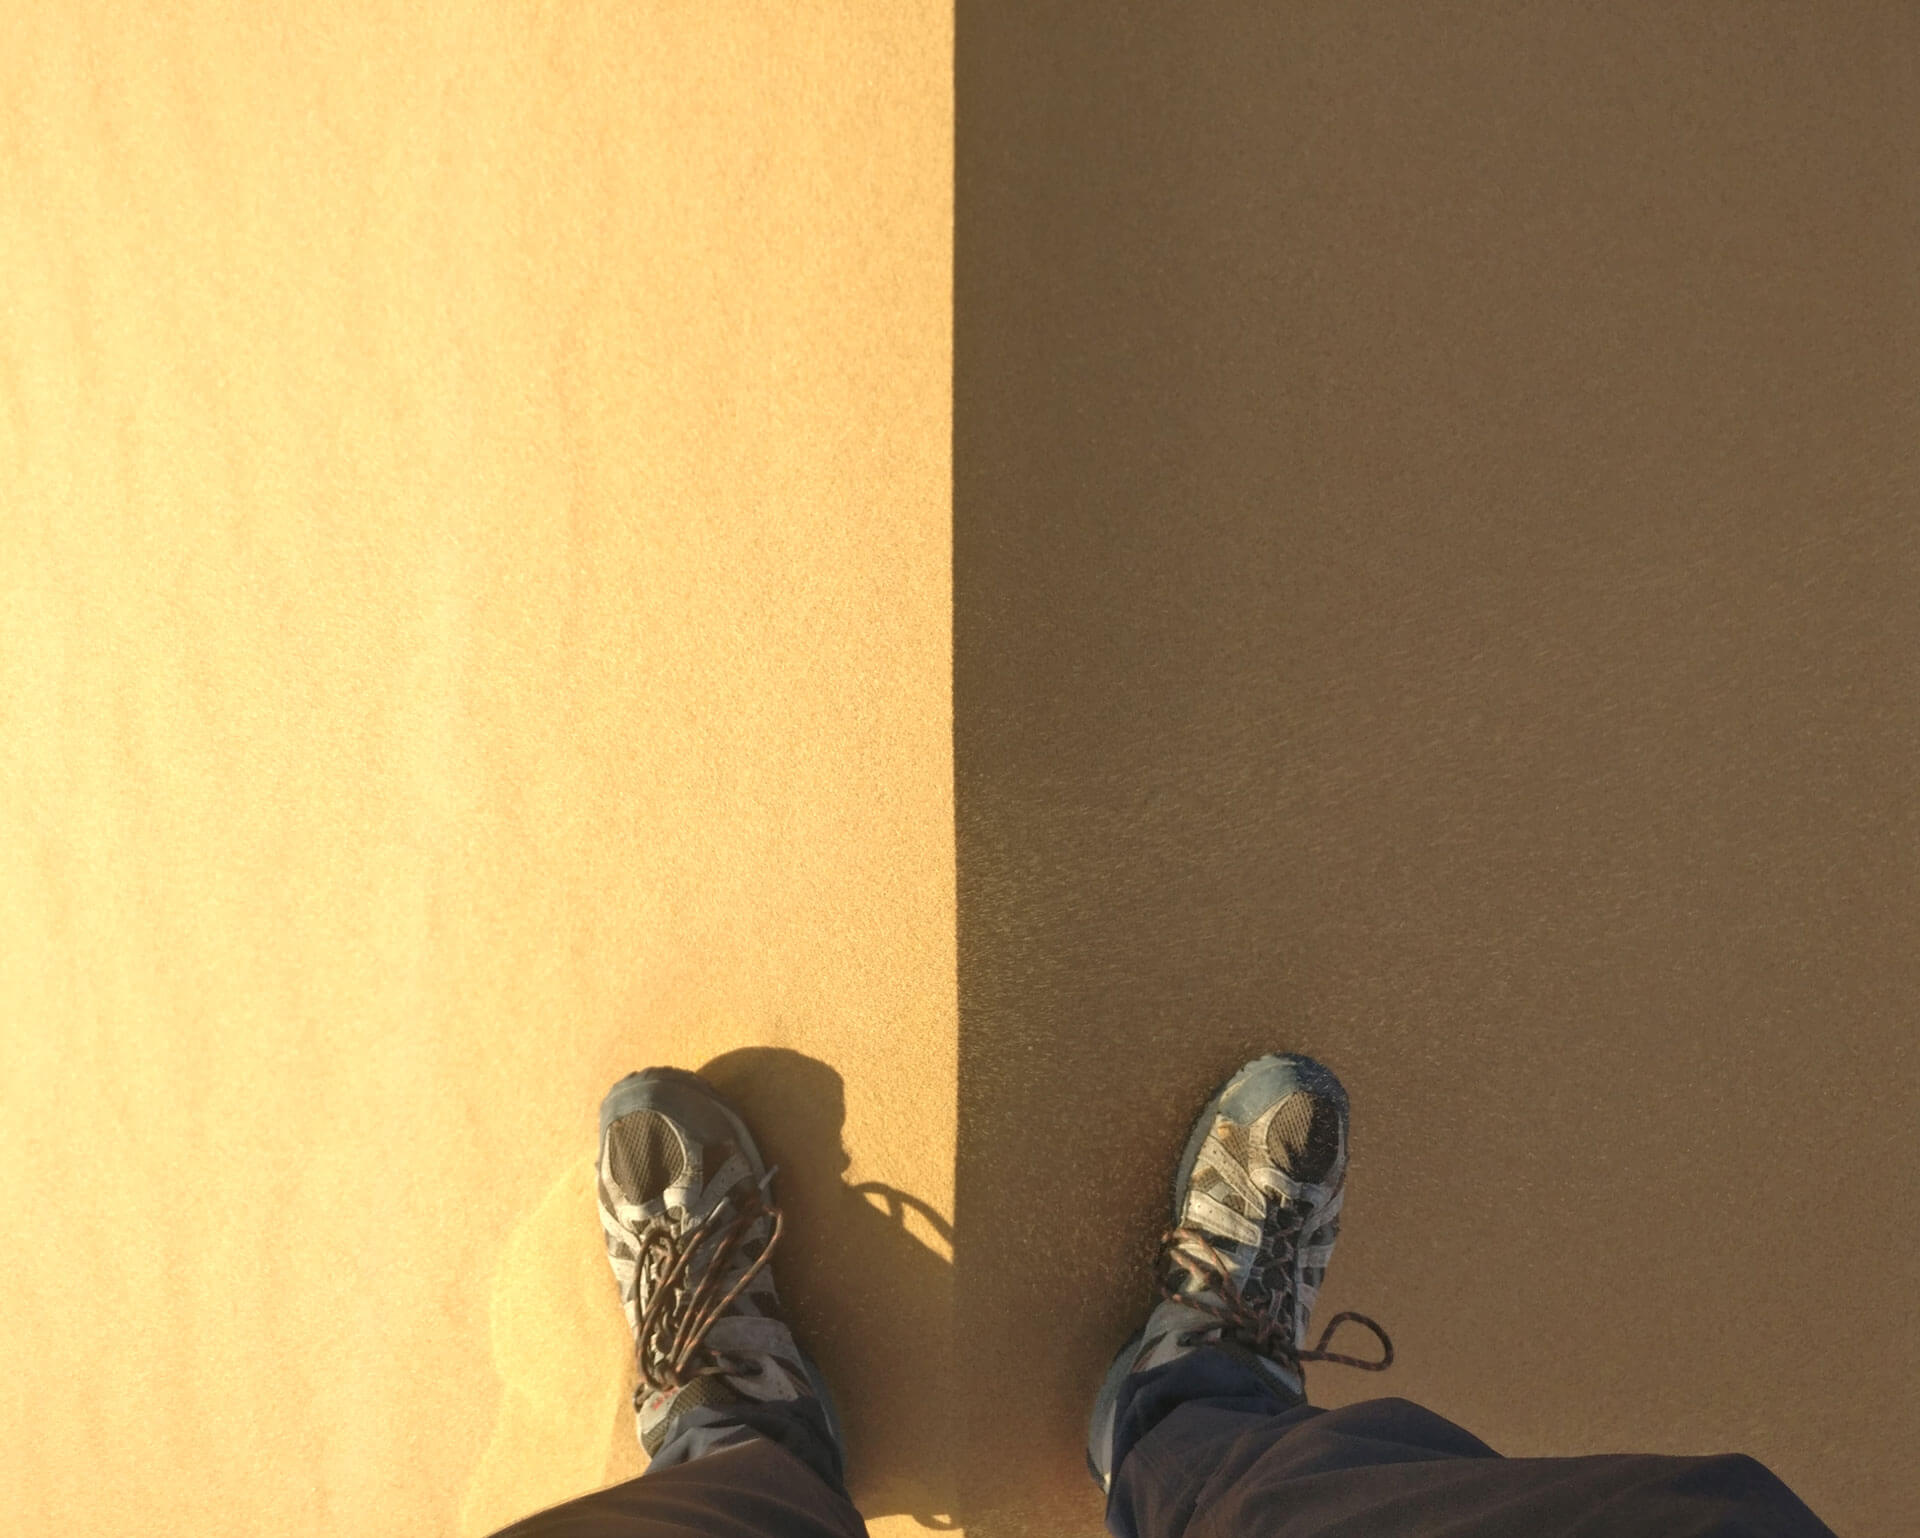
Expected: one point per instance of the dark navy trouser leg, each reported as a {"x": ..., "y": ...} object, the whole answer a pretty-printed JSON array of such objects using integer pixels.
[
  {"x": 739, "y": 1471},
  {"x": 1205, "y": 1447}
]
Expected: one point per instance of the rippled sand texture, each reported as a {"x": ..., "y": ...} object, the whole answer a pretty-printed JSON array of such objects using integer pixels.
[{"x": 475, "y": 544}]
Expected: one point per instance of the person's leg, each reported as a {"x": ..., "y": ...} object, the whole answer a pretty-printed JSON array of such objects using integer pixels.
[
  {"x": 746, "y": 1476},
  {"x": 1205, "y": 1449},
  {"x": 743, "y": 1437},
  {"x": 1202, "y": 1429}
]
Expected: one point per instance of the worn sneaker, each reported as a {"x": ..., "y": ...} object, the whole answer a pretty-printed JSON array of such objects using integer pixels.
[
  {"x": 690, "y": 1231},
  {"x": 1256, "y": 1204}
]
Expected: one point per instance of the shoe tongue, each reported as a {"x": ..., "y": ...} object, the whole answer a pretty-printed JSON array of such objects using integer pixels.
[
  {"x": 1287, "y": 1378},
  {"x": 1168, "y": 1331},
  {"x": 1177, "y": 1329},
  {"x": 1184, "y": 1312},
  {"x": 658, "y": 1413}
]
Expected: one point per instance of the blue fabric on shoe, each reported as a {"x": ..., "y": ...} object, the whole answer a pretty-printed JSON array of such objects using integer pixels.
[{"x": 798, "y": 1425}]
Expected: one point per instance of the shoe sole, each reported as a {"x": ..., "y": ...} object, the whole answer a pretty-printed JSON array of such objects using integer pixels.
[{"x": 631, "y": 1095}]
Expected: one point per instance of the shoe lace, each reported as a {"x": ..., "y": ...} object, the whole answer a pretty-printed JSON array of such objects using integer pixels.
[
  {"x": 681, "y": 1306},
  {"x": 1263, "y": 1315}
]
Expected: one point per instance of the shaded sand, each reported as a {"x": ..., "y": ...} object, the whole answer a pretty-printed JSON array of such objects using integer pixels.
[{"x": 1461, "y": 622}]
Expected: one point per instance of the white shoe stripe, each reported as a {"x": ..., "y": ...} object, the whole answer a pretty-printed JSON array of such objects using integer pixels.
[
  {"x": 1204, "y": 1211},
  {"x": 1222, "y": 1163}
]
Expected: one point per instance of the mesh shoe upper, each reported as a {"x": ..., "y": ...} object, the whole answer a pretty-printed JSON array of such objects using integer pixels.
[
  {"x": 689, "y": 1233},
  {"x": 1258, "y": 1198},
  {"x": 1271, "y": 1217}
]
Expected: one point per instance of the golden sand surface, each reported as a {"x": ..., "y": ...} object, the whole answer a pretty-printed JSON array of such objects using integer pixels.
[
  {"x": 491, "y": 597},
  {"x": 476, "y": 622}
]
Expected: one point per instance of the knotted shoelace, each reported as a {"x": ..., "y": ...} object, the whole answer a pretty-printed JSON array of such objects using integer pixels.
[
  {"x": 677, "y": 1317},
  {"x": 1268, "y": 1330}
]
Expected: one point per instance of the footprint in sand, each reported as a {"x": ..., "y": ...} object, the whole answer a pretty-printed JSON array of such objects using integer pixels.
[{"x": 561, "y": 1348}]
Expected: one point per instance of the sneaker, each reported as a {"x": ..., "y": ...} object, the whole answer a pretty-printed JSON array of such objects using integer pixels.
[
  {"x": 690, "y": 1231},
  {"x": 1256, "y": 1208}
]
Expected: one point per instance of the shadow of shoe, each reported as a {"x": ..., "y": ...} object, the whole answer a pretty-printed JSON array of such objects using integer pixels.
[
  {"x": 866, "y": 1273},
  {"x": 559, "y": 1342}
]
